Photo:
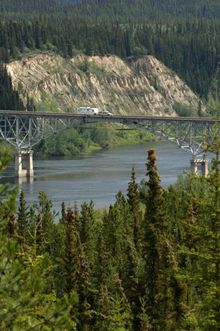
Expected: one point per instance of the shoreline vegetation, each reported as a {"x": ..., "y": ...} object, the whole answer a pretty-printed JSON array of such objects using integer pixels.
[{"x": 82, "y": 142}]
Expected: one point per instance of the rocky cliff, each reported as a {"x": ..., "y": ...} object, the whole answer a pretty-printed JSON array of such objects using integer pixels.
[{"x": 143, "y": 86}]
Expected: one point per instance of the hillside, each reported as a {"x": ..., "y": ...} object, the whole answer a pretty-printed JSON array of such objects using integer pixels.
[
  {"x": 143, "y": 86},
  {"x": 137, "y": 10},
  {"x": 123, "y": 10}
]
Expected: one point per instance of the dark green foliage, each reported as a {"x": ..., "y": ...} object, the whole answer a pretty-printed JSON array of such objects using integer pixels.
[
  {"x": 158, "y": 253},
  {"x": 24, "y": 298},
  {"x": 102, "y": 263},
  {"x": 123, "y": 9},
  {"x": 9, "y": 98},
  {"x": 183, "y": 34},
  {"x": 155, "y": 196},
  {"x": 133, "y": 194},
  {"x": 23, "y": 227},
  {"x": 86, "y": 223},
  {"x": 70, "y": 253},
  {"x": 148, "y": 263},
  {"x": 136, "y": 215},
  {"x": 63, "y": 213},
  {"x": 185, "y": 111},
  {"x": 84, "y": 140}
]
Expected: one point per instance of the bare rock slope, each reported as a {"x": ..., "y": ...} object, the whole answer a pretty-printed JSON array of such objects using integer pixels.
[{"x": 144, "y": 86}]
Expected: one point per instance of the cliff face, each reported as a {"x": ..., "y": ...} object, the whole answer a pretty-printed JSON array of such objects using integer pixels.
[{"x": 144, "y": 86}]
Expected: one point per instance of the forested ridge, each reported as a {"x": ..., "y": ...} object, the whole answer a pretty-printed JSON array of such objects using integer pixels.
[
  {"x": 149, "y": 262},
  {"x": 186, "y": 42},
  {"x": 122, "y": 9}
]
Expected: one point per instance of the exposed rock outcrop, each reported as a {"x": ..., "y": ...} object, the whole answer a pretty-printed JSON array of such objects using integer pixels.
[{"x": 143, "y": 86}]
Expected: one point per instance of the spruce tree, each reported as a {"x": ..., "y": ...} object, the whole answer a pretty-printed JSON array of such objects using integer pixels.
[
  {"x": 63, "y": 213},
  {"x": 69, "y": 256},
  {"x": 22, "y": 218},
  {"x": 131, "y": 281},
  {"x": 24, "y": 298},
  {"x": 102, "y": 261},
  {"x": 135, "y": 211},
  {"x": 86, "y": 223},
  {"x": 209, "y": 257},
  {"x": 85, "y": 292},
  {"x": 9, "y": 98},
  {"x": 158, "y": 253},
  {"x": 133, "y": 194}
]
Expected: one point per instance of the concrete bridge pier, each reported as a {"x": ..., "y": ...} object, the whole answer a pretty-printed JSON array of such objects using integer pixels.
[
  {"x": 19, "y": 170},
  {"x": 30, "y": 166},
  {"x": 194, "y": 167},
  {"x": 202, "y": 164}
]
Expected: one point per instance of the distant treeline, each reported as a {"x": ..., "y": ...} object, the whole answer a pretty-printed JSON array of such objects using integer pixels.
[
  {"x": 182, "y": 34},
  {"x": 123, "y": 10},
  {"x": 190, "y": 49}
]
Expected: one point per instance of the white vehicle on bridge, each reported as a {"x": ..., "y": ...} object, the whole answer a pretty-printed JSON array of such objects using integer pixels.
[
  {"x": 105, "y": 113},
  {"x": 87, "y": 111}
]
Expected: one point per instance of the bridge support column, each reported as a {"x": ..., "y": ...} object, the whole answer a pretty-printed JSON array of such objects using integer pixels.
[
  {"x": 30, "y": 165},
  {"x": 205, "y": 168},
  {"x": 19, "y": 170},
  {"x": 203, "y": 164},
  {"x": 194, "y": 167}
]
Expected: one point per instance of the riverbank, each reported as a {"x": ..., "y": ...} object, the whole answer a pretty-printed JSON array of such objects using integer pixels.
[{"x": 75, "y": 142}]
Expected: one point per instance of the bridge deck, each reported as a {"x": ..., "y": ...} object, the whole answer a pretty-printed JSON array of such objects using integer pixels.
[{"x": 28, "y": 114}]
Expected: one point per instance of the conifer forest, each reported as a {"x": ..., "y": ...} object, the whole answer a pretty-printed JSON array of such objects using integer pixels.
[{"x": 151, "y": 260}]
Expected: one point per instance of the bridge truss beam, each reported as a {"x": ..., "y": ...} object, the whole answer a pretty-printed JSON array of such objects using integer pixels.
[
  {"x": 192, "y": 135},
  {"x": 23, "y": 130}
]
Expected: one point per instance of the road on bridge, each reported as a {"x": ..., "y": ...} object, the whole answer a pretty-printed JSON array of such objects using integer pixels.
[{"x": 107, "y": 118}]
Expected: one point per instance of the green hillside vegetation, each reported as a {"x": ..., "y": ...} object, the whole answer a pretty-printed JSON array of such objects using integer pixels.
[
  {"x": 182, "y": 34},
  {"x": 133, "y": 10},
  {"x": 190, "y": 49},
  {"x": 153, "y": 10},
  {"x": 82, "y": 141},
  {"x": 148, "y": 262}
]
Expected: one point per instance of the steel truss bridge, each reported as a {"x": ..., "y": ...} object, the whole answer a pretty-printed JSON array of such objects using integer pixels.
[{"x": 23, "y": 129}]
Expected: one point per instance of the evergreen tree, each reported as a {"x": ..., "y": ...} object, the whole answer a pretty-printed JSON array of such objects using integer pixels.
[
  {"x": 63, "y": 213},
  {"x": 22, "y": 218},
  {"x": 102, "y": 262},
  {"x": 70, "y": 252},
  {"x": 85, "y": 292},
  {"x": 209, "y": 258},
  {"x": 158, "y": 253},
  {"x": 134, "y": 202},
  {"x": 9, "y": 98},
  {"x": 133, "y": 194},
  {"x": 25, "y": 303}
]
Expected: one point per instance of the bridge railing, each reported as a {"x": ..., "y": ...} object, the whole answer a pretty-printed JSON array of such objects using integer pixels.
[{"x": 24, "y": 129}]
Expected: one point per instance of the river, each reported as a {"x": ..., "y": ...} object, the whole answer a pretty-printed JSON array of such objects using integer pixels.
[{"x": 100, "y": 176}]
